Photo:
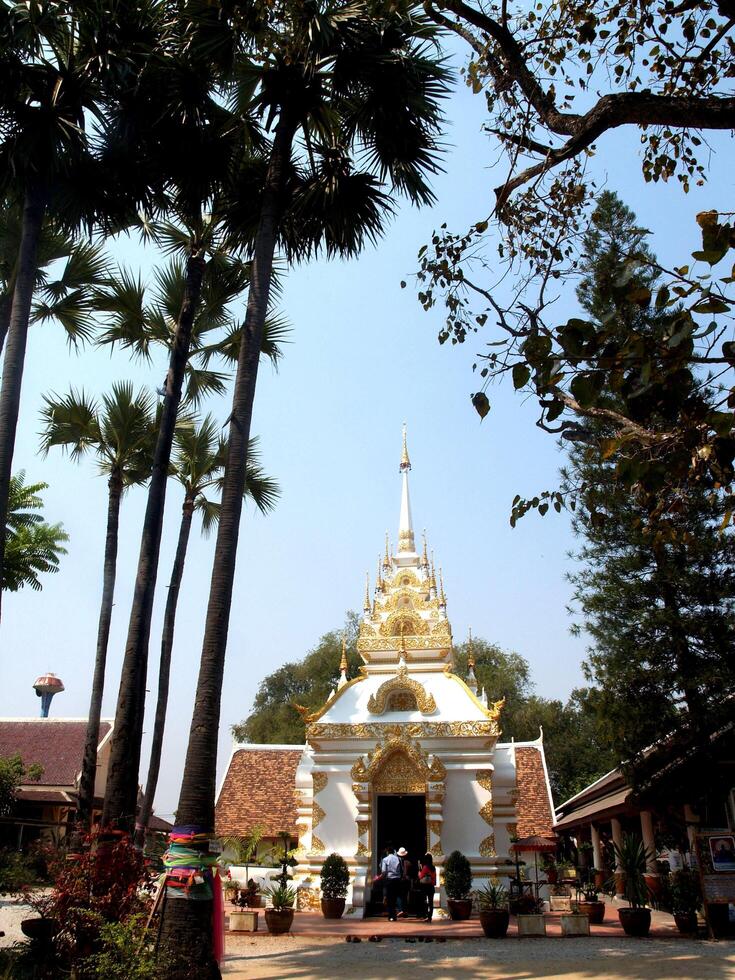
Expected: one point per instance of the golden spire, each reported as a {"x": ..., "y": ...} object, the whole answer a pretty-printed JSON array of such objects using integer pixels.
[
  {"x": 366, "y": 603},
  {"x": 386, "y": 560},
  {"x": 379, "y": 580},
  {"x": 405, "y": 461},
  {"x": 442, "y": 597},
  {"x": 343, "y": 661},
  {"x": 432, "y": 577},
  {"x": 425, "y": 557},
  {"x": 470, "y": 652}
]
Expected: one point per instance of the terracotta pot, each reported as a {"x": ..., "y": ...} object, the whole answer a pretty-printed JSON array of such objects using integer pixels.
[
  {"x": 278, "y": 920},
  {"x": 494, "y": 922},
  {"x": 686, "y": 922},
  {"x": 595, "y": 911},
  {"x": 653, "y": 883},
  {"x": 635, "y": 922},
  {"x": 459, "y": 908},
  {"x": 333, "y": 908},
  {"x": 39, "y": 928}
]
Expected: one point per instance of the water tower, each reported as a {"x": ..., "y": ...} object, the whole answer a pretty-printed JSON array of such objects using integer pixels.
[{"x": 46, "y": 687}]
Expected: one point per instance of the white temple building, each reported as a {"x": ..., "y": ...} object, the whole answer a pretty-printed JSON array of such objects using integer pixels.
[{"x": 407, "y": 752}]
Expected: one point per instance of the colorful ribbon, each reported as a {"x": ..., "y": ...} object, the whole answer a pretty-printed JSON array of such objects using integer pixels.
[{"x": 193, "y": 873}]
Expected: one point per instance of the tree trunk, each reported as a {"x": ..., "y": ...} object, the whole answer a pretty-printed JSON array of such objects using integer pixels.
[
  {"x": 89, "y": 762},
  {"x": 164, "y": 671},
  {"x": 185, "y": 927},
  {"x": 6, "y": 304},
  {"x": 15, "y": 348},
  {"x": 122, "y": 781}
]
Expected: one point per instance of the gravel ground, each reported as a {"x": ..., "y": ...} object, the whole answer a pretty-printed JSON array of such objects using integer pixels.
[
  {"x": 289, "y": 958},
  {"x": 11, "y": 913}
]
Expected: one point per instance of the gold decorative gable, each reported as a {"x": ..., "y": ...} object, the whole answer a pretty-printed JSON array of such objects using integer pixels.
[
  {"x": 399, "y": 774},
  {"x": 427, "y": 768},
  {"x": 401, "y": 684},
  {"x": 403, "y": 621}
]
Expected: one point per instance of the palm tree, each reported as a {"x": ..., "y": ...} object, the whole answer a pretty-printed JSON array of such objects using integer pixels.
[
  {"x": 60, "y": 64},
  {"x": 197, "y": 464},
  {"x": 120, "y": 432},
  {"x": 359, "y": 88},
  {"x": 33, "y": 546}
]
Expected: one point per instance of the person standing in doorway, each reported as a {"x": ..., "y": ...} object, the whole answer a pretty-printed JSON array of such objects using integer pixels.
[
  {"x": 402, "y": 900},
  {"x": 427, "y": 885},
  {"x": 392, "y": 871}
]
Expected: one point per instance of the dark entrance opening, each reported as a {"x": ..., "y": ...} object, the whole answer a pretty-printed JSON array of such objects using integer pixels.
[{"x": 401, "y": 821}]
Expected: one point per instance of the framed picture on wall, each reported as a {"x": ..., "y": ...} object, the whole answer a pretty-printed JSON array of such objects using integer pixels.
[{"x": 722, "y": 852}]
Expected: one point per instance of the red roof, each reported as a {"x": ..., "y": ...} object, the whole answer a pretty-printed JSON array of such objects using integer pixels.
[
  {"x": 534, "y": 808},
  {"x": 55, "y": 744},
  {"x": 259, "y": 788}
]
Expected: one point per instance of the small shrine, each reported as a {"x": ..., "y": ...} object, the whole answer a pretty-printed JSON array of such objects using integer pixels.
[{"x": 406, "y": 752}]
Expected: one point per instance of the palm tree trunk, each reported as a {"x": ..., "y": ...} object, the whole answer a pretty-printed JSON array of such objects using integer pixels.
[
  {"x": 15, "y": 348},
  {"x": 185, "y": 925},
  {"x": 164, "y": 671},
  {"x": 6, "y": 303},
  {"x": 89, "y": 763},
  {"x": 122, "y": 781}
]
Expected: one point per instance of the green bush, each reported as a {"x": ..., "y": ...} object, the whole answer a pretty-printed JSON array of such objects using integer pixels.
[
  {"x": 15, "y": 874},
  {"x": 335, "y": 877},
  {"x": 126, "y": 953},
  {"x": 457, "y": 876}
]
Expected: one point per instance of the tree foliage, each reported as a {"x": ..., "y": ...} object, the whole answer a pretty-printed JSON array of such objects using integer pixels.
[
  {"x": 33, "y": 547},
  {"x": 656, "y": 589},
  {"x": 12, "y": 773},
  {"x": 307, "y": 682}
]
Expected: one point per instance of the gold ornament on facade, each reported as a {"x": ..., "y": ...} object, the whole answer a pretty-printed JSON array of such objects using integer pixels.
[
  {"x": 317, "y": 815},
  {"x": 406, "y": 541},
  {"x": 398, "y": 741},
  {"x": 441, "y": 629},
  {"x": 486, "y": 812},
  {"x": 308, "y": 900},
  {"x": 319, "y": 781},
  {"x": 404, "y": 621},
  {"x": 487, "y": 846},
  {"x": 485, "y": 779},
  {"x": 512, "y": 829},
  {"x": 401, "y": 683},
  {"x": 359, "y": 772},
  {"x": 317, "y": 845},
  {"x": 399, "y": 775},
  {"x": 363, "y": 851},
  {"x": 424, "y": 729},
  {"x": 402, "y": 701}
]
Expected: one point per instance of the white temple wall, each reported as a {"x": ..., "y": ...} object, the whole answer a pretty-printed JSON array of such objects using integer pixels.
[
  {"x": 338, "y": 829},
  {"x": 463, "y": 827}
]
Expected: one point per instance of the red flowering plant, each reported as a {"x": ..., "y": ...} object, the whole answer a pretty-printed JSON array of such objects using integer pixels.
[{"x": 106, "y": 881}]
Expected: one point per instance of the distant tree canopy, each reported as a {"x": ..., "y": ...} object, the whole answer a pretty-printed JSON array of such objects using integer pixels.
[
  {"x": 32, "y": 547},
  {"x": 575, "y": 754},
  {"x": 12, "y": 773}
]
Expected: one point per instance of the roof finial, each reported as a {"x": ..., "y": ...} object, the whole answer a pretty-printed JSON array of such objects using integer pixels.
[
  {"x": 470, "y": 651},
  {"x": 432, "y": 578},
  {"x": 386, "y": 560},
  {"x": 366, "y": 603},
  {"x": 405, "y": 461},
  {"x": 424, "y": 556},
  {"x": 379, "y": 579},
  {"x": 442, "y": 597},
  {"x": 343, "y": 665}
]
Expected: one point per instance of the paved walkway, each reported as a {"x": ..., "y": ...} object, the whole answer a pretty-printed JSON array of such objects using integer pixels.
[{"x": 329, "y": 958}]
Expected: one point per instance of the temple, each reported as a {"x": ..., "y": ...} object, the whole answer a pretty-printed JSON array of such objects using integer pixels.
[{"x": 407, "y": 751}]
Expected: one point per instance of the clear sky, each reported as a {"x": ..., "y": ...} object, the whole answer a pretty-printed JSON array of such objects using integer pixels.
[{"x": 363, "y": 359}]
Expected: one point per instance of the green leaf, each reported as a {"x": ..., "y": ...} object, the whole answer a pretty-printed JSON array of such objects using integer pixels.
[
  {"x": 481, "y": 403},
  {"x": 711, "y": 305},
  {"x": 521, "y": 374}
]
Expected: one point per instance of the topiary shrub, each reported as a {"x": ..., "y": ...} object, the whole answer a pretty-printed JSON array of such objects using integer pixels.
[
  {"x": 457, "y": 876},
  {"x": 335, "y": 877}
]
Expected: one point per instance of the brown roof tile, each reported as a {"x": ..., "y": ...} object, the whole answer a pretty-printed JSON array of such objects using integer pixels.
[
  {"x": 54, "y": 744},
  {"x": 533, "y": 806},
  {"x": 259, "y": 788}
]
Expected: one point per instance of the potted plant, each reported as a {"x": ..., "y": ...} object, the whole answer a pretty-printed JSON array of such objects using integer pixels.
[
  {"x": 590, "y": 905},
  {"x": 335, "y": 881},
  {"x": 585, "y": 853},
  {"x": 550, "y": 869},
  {"x": 494, "y": 914},
  {"x": 632, "y": 857},
  {"x": 250, "y": 896},
  {"x": 685, "y": 900},
  {"x": 279, "y": 916},
  {"x": 457, "y": 884}
]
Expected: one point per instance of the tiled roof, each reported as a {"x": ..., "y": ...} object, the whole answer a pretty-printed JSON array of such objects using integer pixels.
[
  {"x": 55, "y": 744},
  {"x": 159, "y": 825},
  {"x": 259, "y": 788},
  {"x": 534, "y": 806}
]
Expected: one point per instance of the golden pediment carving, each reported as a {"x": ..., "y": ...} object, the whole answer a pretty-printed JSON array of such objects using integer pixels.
[
  {"x": 427, "y": 768},
  {"x": 399, "y": 774},
  {"x": 379, "y": 701},
  {"x": 404, "y": 621}
]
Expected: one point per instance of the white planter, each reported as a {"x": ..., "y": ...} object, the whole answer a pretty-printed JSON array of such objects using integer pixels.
[
  {"x": 575, "y": 925},
  {"x": 243, "y": 921},
  {"x": 531, "y": 925},
  {"x": 560, "y": 903}
]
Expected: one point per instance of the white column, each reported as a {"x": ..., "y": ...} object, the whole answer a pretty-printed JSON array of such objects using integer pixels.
[
  {"x": 617, "y": 836},
  {"x": 649, "y": 841},
  {"x": 596, "y": 849}
]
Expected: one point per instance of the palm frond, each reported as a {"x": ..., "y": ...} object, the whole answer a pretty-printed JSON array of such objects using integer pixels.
[
  {"x": 209, "y": 511},
  {"x": 201, "y": 383},
  {"x": 122, "y": 302},
  {"x": 70, "y": 421},
  {"x": 32, "y": 546}
]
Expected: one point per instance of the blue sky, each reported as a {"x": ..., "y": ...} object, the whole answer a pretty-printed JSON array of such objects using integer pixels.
[{"x": 363, "y": 358}]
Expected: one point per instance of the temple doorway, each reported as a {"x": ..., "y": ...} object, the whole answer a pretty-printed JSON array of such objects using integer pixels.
[{"x": 402, "y": 823}]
